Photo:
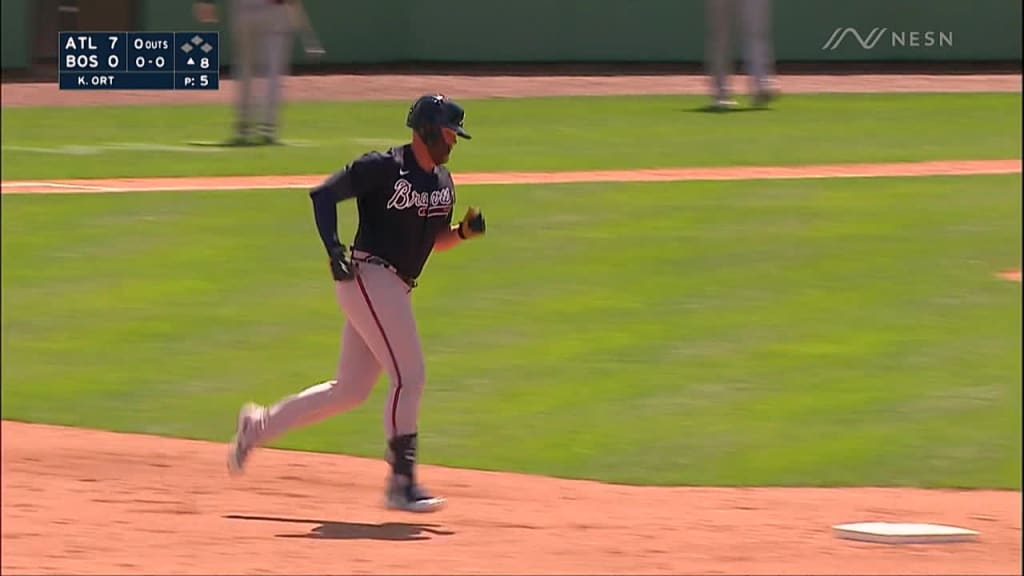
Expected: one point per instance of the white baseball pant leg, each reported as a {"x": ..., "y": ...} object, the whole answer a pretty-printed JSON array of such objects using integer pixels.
[{"x": 380, "y": 335}]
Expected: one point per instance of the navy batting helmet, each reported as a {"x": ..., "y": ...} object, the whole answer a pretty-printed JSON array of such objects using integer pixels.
[{"x": 435, "y": 111}]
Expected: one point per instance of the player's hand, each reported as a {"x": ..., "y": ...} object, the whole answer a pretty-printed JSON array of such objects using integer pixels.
[
  {"x": 205, "y": 12},
  {"x": 341, "y": 264},
  {"x": 472, "y": 224}
]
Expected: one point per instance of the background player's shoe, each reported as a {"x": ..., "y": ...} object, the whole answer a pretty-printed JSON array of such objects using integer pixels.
[
  {"x": 765, "y": 95},
  {"x": 722, "y": 104},
  {"x": 242, "y": 136},
  {"x": 267, "y": 135},
  {"x": 403, "y": 494},
  {"x": 250, "y": 423}
]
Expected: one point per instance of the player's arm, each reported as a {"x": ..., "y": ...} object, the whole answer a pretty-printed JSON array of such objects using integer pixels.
[
  {"x": 472, "y": 224},
  {"x": 325, "y": 199}
]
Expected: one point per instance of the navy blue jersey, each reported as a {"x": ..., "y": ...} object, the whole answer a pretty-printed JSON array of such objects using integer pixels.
[{"x": 402, "y": 208}]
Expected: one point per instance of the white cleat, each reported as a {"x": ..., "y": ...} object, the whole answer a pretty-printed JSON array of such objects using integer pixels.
[
  {"x": 410, "y": 497},
  {"x": 250, "y": 419},
  {"x": 723, "y": 105}
]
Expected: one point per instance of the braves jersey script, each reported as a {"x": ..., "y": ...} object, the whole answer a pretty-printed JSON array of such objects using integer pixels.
[{"x": 402, "y": 208}]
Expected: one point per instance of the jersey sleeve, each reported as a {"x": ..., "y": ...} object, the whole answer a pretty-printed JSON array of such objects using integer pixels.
[
  {"x": 357, "y": 179},
  {"x": 451, "y": 186}
]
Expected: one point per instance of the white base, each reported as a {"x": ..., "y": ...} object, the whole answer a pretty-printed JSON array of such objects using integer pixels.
[{"x": 903, "y": 533}]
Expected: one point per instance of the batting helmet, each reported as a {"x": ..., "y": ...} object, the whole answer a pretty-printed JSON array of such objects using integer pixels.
[{"x": 431, "y": 112}]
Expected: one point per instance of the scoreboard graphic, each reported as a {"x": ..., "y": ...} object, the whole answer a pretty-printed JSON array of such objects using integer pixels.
[{"x": 139, "y": 60}]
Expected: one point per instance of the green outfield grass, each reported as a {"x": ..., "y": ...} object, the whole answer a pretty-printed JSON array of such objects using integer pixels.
[
  {"x": 827, "y": 332},
  {"x": 522, "y": 134}
]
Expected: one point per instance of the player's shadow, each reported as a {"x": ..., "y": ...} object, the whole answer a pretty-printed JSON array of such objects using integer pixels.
[
  {"x": 325, "y": 529},
  {"x": 229, "y": 144},
  {"x": 712, "y": 109}
]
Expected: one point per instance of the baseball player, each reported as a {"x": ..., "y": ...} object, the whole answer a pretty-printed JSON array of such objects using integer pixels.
[
  {"x": 405, "y": 198},
  {"x": 756, "y": 31},
  {"x": 261, "y": 34}
]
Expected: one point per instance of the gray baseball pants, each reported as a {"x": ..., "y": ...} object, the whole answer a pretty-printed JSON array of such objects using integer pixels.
[
  {"x": 380, "y": 335},
  {"x": 261, "y": 33},
  {"x": 755, "y": 30}
]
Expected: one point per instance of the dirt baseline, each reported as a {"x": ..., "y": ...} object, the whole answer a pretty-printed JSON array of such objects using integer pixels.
[
  {"x": 184, "y": 183},
  {"x": 90, "y": 502},
  {"x": 460, "y": 86}
]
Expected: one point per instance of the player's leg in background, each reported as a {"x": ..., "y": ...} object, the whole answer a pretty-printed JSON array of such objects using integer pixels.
[
  {"x": 357, "y": 372},
  {"x": 759, "y": 49},
  {"x": 718, "y": 53},
  {"x": 242, "y": 68},
  {"x": 277, "y": 52}
]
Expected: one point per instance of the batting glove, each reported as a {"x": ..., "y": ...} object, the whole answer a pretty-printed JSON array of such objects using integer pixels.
[
  {"x": 472, "y": 224},
  {"x": 341, "y": 264}
]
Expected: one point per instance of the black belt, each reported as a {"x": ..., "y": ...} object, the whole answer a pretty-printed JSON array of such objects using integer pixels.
[{"x": 360, "y": 256}]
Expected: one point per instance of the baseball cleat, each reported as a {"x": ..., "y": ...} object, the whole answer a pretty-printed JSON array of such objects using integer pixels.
[
  {"x": 249, "y": 422},
  {"x": 267, "y": 135},
  {"x": 765, "y": 97},
  {"x": 409, "y": 496},
  {"x": 723, "y": 105}
]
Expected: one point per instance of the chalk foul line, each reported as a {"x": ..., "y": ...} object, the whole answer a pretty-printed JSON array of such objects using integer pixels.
[{"x": 889, "y": 169}]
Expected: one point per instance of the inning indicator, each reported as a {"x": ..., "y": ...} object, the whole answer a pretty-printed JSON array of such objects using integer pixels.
[{"x": 139, "y": 60}]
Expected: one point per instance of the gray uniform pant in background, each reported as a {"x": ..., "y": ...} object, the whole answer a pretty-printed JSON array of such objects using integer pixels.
[
  {"x": 755, "y": 30},
  {"x": 261, "y": 34}
]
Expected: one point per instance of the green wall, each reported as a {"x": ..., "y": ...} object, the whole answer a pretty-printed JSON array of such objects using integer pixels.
[
  {"x": 637, "y": 30},
  {"x": 966, "y": 29},
  {"x": 555, "y": 30},
  {"x": 15, "y": 39},
  {"x": 609, "y": 30}
]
